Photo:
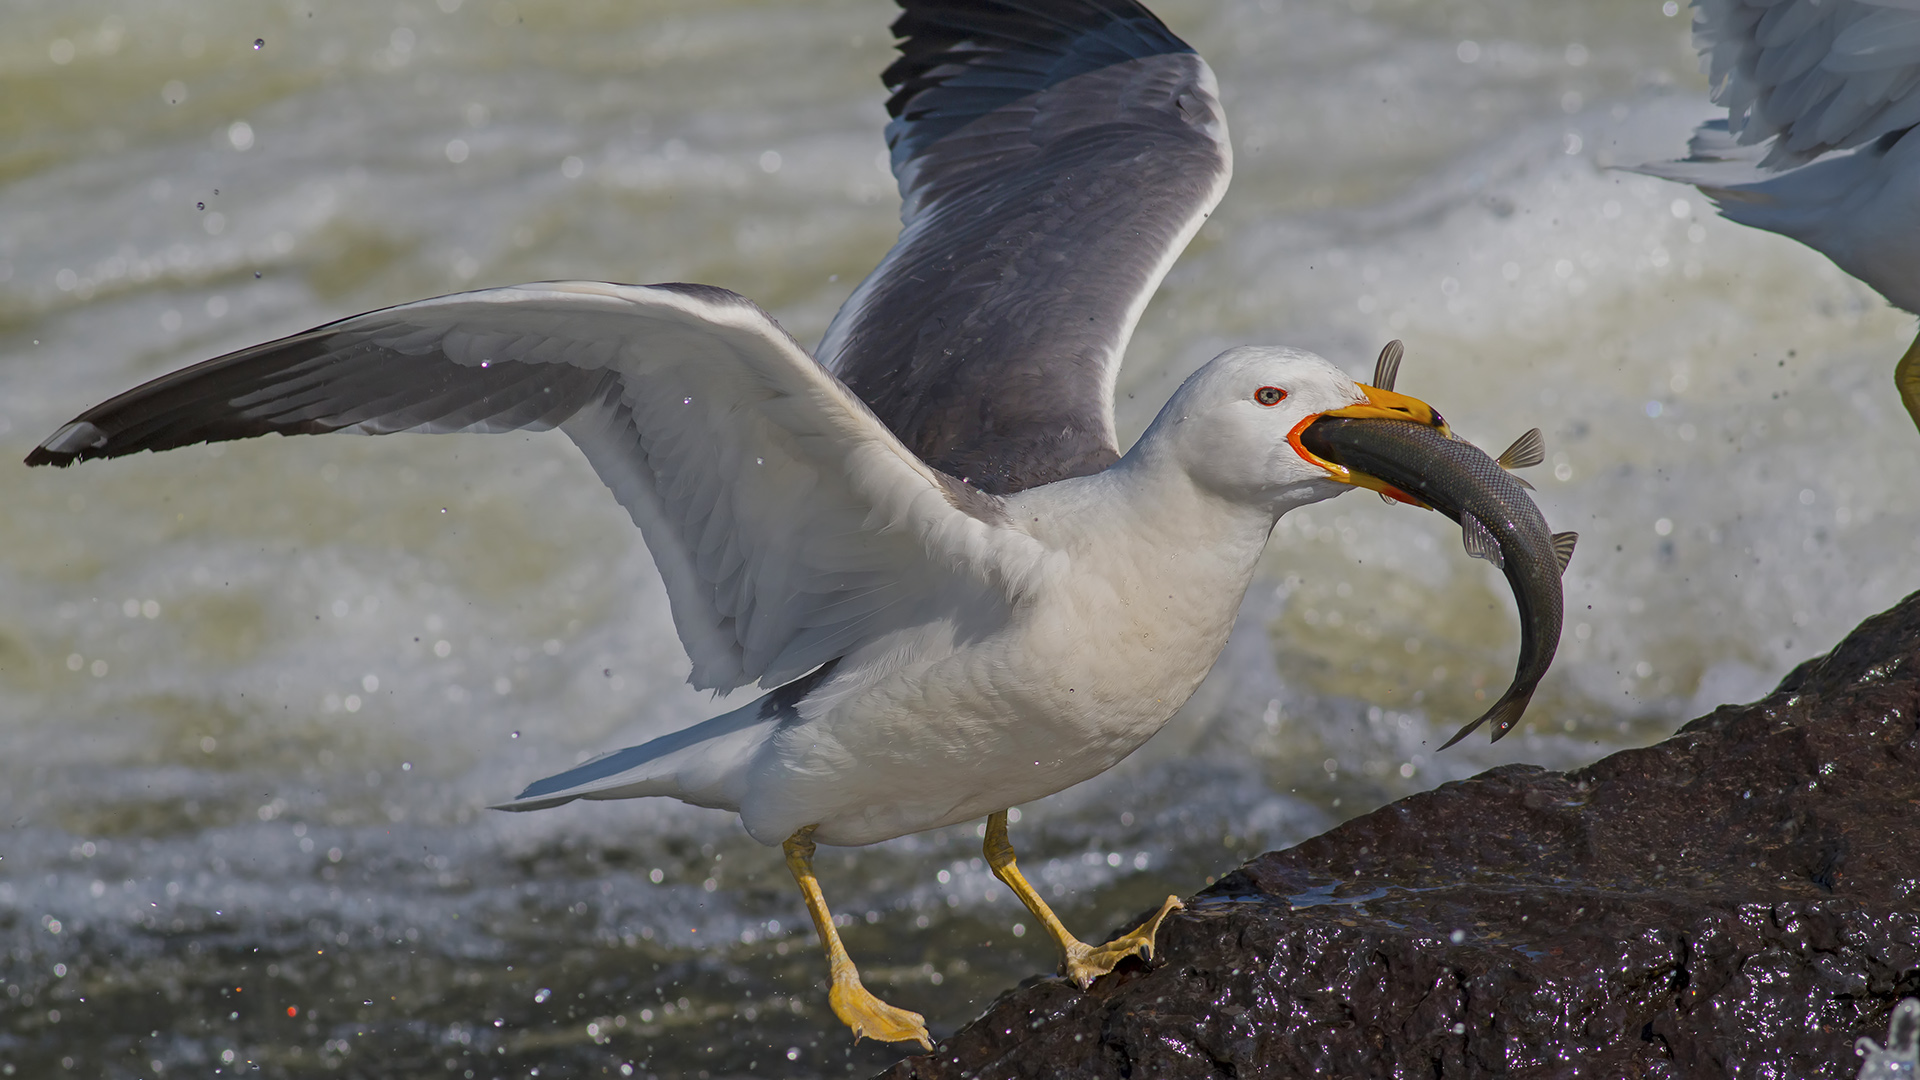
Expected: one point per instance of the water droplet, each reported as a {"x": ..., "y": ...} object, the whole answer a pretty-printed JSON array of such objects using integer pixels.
[
  {"x": 516, "y": 735},
  {"x": 259, "y": 43},
  {"x": 686, "y": 401},
  {"x": 199, "y": 206}
]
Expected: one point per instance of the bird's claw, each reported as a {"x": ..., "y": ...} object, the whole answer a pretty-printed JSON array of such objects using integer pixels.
[
  {"x": 1084, "y": 963},
  {"x": 871, "y": 1018}
]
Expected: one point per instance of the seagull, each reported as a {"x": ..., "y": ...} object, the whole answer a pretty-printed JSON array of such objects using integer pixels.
[
  {"x": 1819, "y": 142},
  {"x": 920, "y": 539}
]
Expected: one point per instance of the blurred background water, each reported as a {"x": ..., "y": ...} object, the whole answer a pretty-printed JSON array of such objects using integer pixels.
[{"x": 254, "y": 697}]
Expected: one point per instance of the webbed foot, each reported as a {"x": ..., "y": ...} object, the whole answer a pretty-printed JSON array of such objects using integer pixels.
[
  {"x": 1906, "y": 376},
  {"x": 1083, "y": 963},
  {"x": 871, "y": 1018}
]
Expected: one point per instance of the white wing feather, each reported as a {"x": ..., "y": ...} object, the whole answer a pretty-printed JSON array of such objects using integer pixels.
[{"x": 788, "y": 523}]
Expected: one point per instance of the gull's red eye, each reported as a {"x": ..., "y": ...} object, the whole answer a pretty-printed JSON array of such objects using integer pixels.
[{"x": 1269, "y": 395}]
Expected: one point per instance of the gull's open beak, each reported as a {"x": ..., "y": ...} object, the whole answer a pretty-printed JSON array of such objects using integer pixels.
[{"x": 1380, "y": 405}]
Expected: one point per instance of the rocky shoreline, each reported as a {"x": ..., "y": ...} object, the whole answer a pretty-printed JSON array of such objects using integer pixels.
[{"x": 1742, "y": 899}]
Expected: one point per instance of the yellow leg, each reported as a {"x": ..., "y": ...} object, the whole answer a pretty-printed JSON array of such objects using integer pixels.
[
  {"x": 868, "y": 1016},
  {"x": 1079, "y": 961},
  {"x": 1906, "y": 376}
]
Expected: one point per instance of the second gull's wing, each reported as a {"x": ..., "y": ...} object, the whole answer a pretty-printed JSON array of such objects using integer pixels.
[
  {"x": 1813, "y": 75},
  {"x": 1054, "y": 158}
]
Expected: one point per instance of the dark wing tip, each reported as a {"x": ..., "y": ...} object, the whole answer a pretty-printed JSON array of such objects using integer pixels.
[
  {"x": 74, "y": 442},
  {"x": 556, "y": 790},
  {"x": 962, "y": 59},
  {"x": 166, "y": 424},
  {"x": 524, "y": 802},
  {"x": 188, "y": 406},
  {"x": 133, "y": 431}
]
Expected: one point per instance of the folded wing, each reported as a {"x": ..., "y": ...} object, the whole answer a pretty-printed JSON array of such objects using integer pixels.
[
  {"x": 788, "y": 524},
  {"x": 1054, "y": 158}
]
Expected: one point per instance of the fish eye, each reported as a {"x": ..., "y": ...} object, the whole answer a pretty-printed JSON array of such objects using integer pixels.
[{"x": 1269, "y": 395}]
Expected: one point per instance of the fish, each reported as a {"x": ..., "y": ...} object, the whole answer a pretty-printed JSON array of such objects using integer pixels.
[{"x": 1428, "y": 467}]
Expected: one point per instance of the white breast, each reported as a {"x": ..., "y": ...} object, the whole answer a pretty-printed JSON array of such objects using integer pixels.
[{"x": 986, "y": 710}]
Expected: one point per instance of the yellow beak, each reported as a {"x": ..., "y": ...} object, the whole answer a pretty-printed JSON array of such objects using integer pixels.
[
  {"x": 1380, "y": 405},
  {"x": 1388, "y": 405}
]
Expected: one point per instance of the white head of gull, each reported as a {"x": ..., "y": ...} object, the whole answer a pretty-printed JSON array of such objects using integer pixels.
[
  {"x": 1821, "y": 141},
  {"x": 924, "y": 543}
]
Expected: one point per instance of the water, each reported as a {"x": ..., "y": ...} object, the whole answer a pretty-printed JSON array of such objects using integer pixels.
[{"x": 253, "y": 698}]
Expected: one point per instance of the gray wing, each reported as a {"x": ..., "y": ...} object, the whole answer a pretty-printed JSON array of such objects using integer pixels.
[
  {"x": 789, "y": 525},
  {"x": 1054, "y": 158},
  {"x": 1812, "y": 75}
]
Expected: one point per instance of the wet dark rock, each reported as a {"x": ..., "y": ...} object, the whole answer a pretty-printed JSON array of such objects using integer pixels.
[{"x": 1742, "y": 899}]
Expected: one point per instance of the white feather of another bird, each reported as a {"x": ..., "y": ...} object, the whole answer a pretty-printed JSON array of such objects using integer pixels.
[
  {"x": 1818, "y": 144},
  {"x": 1811, "y": 76}
]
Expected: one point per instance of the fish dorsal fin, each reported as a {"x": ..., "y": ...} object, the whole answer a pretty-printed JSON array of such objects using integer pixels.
[
  {"x": 1480, "y": 542},
  {"x": 1563, "y": 548},
  {"x": 1387, "y": 368},
  {"x": 1522, "y": 481},
  {"x": 1527, "y": 451}
]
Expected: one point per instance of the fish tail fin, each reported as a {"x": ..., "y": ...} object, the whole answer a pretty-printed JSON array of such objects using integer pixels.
[{"x": 1505, "y": 713}]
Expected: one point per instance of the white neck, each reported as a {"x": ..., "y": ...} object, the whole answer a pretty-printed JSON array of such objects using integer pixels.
[{"x": 1158, "y": 538}]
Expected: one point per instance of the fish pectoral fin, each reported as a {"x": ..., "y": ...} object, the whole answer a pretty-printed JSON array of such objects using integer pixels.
[
  {"x": 1527, "y": 451},
  {"x": 1480, "y": 542},
  {"x": 1387, "y": 368},
  {"x": 1563, "y": 548}
]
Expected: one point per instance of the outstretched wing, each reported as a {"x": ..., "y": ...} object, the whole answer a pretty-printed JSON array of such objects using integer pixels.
[
  {"x": 788, "y": 523},
  {"x": 1815, "y": 75},
  {"x": 1054, "y": 158}
]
